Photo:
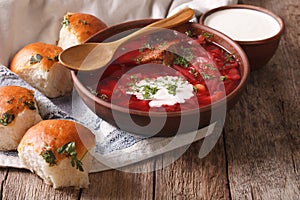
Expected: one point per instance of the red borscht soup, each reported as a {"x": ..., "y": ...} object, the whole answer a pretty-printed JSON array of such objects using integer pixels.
[{"x": 168, "y": 71}]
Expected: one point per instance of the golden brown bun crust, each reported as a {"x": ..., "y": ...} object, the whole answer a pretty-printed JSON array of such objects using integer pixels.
[
  {"x": 53, "y": 134},
  {"x": 48, "y": 52},
  {"x": 83, "y": 25},
  {"x": 14, "y": 99}
]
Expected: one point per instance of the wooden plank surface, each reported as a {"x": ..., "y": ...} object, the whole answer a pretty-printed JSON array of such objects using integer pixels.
[
  {"x": 190, "y": 177},
  {"x": 3, "y": 174},
  {"x": 124, "y": 183},
  {"x": 262, "y": 131},
  {"x": 22, "y": 184}
]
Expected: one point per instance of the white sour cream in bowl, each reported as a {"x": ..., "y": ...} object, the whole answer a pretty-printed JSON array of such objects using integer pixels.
[
  {"x": 257, "y": 30},
  {"x": 243, "y": 24}
]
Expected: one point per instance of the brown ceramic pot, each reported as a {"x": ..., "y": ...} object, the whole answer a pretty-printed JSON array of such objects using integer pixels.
[
  {"x": 173, "y": 122},
  {"x": 259, "y": 52}
]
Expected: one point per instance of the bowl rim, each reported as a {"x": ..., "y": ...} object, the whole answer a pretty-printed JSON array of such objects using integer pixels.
[
  {"x": 215, "y": 104},
  {"x": 249, "y": 7}
]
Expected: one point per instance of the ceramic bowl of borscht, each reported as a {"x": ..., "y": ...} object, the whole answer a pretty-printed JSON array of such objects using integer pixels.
[
  {"x": 166, "y": 81},
  {"x": 256, "y": 29}
]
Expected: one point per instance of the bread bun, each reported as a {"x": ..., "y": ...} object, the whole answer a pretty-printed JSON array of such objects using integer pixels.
[
  {"x": 77, "y": 28},
  {"x": 51, "y": 147},
  {"x": 37, "y": 64},
  {"x": 18, "y": 112}
]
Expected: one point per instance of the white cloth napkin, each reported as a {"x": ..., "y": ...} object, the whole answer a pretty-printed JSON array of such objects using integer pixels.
[{"x": 26, "y": 21}]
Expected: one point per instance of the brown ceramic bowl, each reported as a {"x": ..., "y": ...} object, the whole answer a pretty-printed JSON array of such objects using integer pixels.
[
  {"x": 258, "y": 49},
  {"x": 173, "y": 122}
]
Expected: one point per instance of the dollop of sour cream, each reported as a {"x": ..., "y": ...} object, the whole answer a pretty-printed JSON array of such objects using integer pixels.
[{"x": 163, "y": 90}]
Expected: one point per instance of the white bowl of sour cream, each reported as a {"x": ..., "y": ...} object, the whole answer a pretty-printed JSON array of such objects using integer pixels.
[{"x": 256, "y": 29}]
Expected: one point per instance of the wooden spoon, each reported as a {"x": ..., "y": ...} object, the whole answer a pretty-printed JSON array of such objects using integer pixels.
[{"x": 92, "y": 56}]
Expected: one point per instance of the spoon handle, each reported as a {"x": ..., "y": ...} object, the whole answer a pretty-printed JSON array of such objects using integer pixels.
[{"x": 178, "y": 18}]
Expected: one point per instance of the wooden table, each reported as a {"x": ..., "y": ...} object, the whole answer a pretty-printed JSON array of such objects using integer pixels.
[{"x": 257, "y": 157}]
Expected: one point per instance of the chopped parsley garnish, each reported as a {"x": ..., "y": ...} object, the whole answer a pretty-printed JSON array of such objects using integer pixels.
[
  {"x": 172, "y": 89},
  {"x": 146, "y": 46},
  {"x": 49, "y": 157},
  {"x": 93, "y": 91},
  {"x": 83, "y": 22},
  {"x": 70, "y": 150},
  {"x": 179, "y": 60},
  {"x": 222, "y": 78},
  {"x": 53, "y": 59},
  {"x": 35, "y": 59},
  {"x": 104, "y": 97},
  {"x": 149, "y": 91},
  {"x": 229, "y": 57},
  {"x": 207, "y": 35},
  {"x": 163, "y": 44},
  {"x": 138, "y": 60},
  {"x": 211, "y": 67},
  {"x": 194, "y": 72},
  {"x": 11, "y": 100},
  {"x": 189, "y": 33},
  {"x": 147, "y": 88},
  {"x": 134, "y": 78},
  {"x": 207, "y": 76},
  {"x": 195, "y": 89},
  {"x": 6, "y": 118},
  {"x": 29, "y": 104},
  {"x": 184, "y": 57},
  {"x": 65, "y": 22}
]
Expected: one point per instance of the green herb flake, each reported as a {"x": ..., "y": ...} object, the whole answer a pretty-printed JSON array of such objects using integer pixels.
[
  {"x": 104, "y": 97},
  {"x": 210, "y": 66},
  {"x": 130, "y": 84},
  {"x": 172, "y": 89},
  {"x": 146, "y": 46},
  {"x": 229, "y": 57},
  {"x": 163, "y": 44},
  {"x": 11, "y": 100},
  {"x": 189, "y": 33},
  {"x": 35, "y": 59},
  {"x": 65, "y": 21},
  {"x": 29, "y": 104},
  {"x": 83, "y": 22},
  {"x": 70, "y": 150},
  {"x": 194, "y": 72},
  {"x": 49, "y": 157},
  {"x": 179, "y": 60},
  {"x": 134, "y": 78},
  {"x": 6, "y": 118},
  {"x": 195, "y": 89},
  {"x": 184, "y": 57},
  {"x": 93, "y": 91},
  {"x": 55, "y": 58},
  {"x": 222, "y": 78},
  {"x": 206, "y": 76},
  {"x": 149, "y": 91},
  {"x": 138, "y": 60},
  {"x": 207, "y": 35}
]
